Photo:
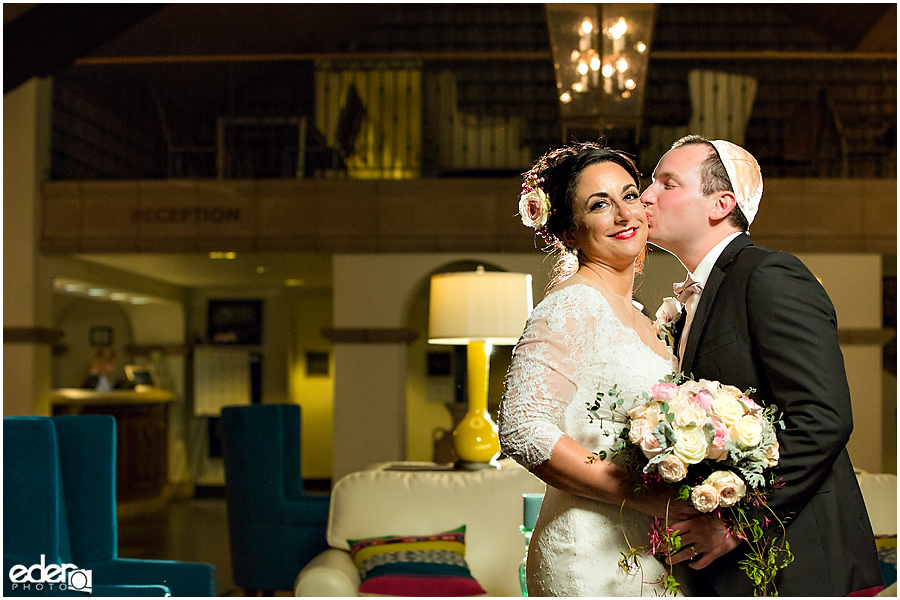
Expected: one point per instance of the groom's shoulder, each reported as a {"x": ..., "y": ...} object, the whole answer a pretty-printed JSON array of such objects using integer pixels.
[{"x": 752, "y": 257}]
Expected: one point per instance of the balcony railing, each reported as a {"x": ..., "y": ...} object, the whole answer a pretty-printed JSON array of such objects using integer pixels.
[{"x": 377, "y": 117}]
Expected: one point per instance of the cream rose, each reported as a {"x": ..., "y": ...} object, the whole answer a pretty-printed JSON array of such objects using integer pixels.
[
  {"x": 729, "y": 485},
  {"x": 727, "y": 409},
  {"x": 705, "y": 498},
  {"x": 731, "y": 391},
  {"x": 639, "y": 429},
  {"x": 690, "y": 444},
  {"x": 672, "y": 469},
  {"x": 711, "y": 386},
  {"x": 534, "y": 208},
  {"x": 772, "y": 454},
  {"x": 648, "y": 412},
  {"x": 682, "y": 398},
  {"x": 690, "y": 413},
  {"x": 747, "y": 431}
]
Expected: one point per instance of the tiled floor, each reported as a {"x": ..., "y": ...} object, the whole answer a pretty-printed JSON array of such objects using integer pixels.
[
  {"x": 190, "y": 530},
  {"x": 194, "y": 529}
]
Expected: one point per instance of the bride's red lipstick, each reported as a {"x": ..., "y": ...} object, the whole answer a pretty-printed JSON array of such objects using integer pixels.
[{"x": 625, "y": 234}]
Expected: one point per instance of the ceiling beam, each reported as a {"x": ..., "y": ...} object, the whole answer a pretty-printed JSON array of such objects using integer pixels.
[
  {"x": 51, "y": 36},
  {"x": 468, "y": 56}
]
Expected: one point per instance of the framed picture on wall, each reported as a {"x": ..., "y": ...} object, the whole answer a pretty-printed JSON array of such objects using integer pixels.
[
  {"x": 234, "y": 322},
  {"x": 101, "y": 336}
]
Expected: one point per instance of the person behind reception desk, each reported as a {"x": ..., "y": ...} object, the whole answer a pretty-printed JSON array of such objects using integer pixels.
[{"x": 102, "y": 375}]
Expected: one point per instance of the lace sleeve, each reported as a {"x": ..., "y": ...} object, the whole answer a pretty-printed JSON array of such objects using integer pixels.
[{"x": 541, "y": 380}]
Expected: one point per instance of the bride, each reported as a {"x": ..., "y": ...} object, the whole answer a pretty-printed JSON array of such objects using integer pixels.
[{"x": 585, "y": 336}]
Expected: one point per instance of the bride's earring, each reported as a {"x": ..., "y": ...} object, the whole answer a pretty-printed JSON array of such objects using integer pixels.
[{"x": 574, "y": 251}]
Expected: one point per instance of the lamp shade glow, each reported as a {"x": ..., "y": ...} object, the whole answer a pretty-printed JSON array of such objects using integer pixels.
[{"x": 479, "y": 306}]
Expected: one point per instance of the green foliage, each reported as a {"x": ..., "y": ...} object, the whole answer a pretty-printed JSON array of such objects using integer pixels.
[{"x": 765, "y": 558}]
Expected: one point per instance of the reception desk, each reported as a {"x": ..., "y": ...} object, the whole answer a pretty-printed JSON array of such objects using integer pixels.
[{"x": 141, "y": 433}]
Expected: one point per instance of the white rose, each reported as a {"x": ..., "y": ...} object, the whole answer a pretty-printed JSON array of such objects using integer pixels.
[
  {"x": 689, "y": 413},
  {"x": 747, "y": 431},
  {"x": 772, "y": 454},
  {"x": 672, "y": 469},
  {"x": 668, "y": 311},
  {"x": 639, "y": 429},
  {"x": 705, "y": 498},
  {"x": 730, "y": 486},
  {"x": 727, "y": 409},
  {"x": 690, "y": 444}
]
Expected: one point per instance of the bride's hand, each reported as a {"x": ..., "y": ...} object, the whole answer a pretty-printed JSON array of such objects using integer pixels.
[{"x": 659, "y": 501}]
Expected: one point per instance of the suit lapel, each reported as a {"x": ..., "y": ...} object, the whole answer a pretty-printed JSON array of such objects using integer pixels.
[{"x": 707, "y": 299}]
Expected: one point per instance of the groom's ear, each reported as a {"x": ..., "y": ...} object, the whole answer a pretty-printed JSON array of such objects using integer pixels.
[{"x": 722, "y": 206}]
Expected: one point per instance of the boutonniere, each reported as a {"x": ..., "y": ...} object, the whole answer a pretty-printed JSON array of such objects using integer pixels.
[{"x": 666, "y": 316}]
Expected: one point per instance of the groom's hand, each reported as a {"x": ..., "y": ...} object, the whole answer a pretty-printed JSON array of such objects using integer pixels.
[{"x": 703, "y": 540}]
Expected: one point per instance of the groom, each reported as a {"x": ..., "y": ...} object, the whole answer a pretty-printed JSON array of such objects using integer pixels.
[{"x": 756, "y": 317}]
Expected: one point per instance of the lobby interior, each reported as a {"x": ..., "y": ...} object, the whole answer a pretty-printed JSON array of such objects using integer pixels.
[{"x": 316, "y": 164}]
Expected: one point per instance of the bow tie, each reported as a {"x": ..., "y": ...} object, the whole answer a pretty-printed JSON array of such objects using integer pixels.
[{"x": 686, "y": 289}]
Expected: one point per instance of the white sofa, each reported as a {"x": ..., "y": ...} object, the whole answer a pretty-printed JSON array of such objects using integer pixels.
[
  {"x": 381, "y": 502},
  {"x": 879, "y": 491}
]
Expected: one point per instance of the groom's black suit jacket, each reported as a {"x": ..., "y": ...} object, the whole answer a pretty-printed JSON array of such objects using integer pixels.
[{"x": 764, "y": 321}]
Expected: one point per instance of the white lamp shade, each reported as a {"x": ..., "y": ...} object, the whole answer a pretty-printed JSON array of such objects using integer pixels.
[{"x": 479, "y": 306}]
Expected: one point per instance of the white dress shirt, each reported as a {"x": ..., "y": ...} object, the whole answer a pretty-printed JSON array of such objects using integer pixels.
[{"x": 700, "y": 275}]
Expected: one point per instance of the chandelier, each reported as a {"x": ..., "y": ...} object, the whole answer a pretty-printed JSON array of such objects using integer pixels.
[{"x": 600, "y": 56}]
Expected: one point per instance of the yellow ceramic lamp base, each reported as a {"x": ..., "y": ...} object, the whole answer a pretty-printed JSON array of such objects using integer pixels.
[{"x": 475, "y": 439}]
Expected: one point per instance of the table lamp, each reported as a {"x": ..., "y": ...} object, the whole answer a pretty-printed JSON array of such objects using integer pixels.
[{"x": 480, "y": 309}]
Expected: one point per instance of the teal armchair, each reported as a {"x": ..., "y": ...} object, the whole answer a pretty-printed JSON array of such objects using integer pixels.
[
  {"x": 274, "y": 527},
  {"x": 59, "y": 508}
]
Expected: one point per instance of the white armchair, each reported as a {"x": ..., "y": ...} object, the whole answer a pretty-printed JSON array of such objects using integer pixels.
[{"x": 381, "y": 502}]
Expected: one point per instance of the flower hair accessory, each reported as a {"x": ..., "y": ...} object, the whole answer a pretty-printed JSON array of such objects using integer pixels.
[{"x": 534, "y": 205}]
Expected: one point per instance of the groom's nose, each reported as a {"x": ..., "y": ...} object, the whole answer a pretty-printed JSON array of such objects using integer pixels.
[{"x": 648, "y": 197}]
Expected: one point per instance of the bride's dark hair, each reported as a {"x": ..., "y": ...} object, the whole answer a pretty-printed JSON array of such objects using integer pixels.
[{"x": 557, "y": 173}]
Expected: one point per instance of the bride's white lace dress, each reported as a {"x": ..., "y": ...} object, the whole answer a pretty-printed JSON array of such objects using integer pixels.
[{"x": 573, "y": 346}]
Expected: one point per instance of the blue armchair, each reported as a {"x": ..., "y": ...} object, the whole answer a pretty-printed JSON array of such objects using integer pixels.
[
  {"x": 59, "y": 508},
  {"x": 274, "y": 527}
]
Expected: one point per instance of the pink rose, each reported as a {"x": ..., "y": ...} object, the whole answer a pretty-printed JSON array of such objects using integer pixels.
[
  {"x": 722, "y": 435},
  {"x": 650, "y": 446},
  {"x": 664, "y": 392},
  {"x": 704, "y": 399},
  {"x": 750, "y": 404}
]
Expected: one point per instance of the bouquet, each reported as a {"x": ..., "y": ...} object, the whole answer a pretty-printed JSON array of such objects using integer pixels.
[{"x": 717, "y": 446}]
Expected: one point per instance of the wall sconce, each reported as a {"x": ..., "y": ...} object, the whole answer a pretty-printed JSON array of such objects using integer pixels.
[{"x": 600, "y": 56}]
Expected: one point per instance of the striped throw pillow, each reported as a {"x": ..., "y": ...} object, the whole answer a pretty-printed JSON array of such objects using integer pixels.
[{"x": 429, "y": 565}]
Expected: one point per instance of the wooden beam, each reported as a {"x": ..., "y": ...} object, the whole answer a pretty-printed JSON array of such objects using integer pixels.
[
  {"x": 350, "y": 335},
  {"x": 458, "y": 56},
  {"x": 31, "y": 335}
]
